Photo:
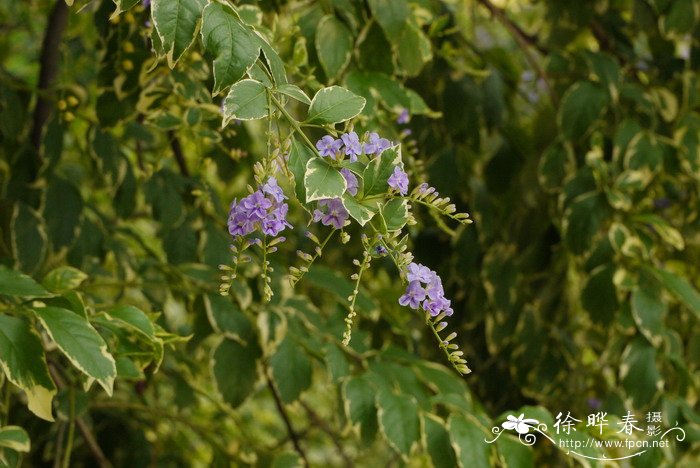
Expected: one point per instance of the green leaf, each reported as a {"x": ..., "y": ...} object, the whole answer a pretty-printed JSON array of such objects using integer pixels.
[
  {"x": 234, "y": 369},
  {"x": 468, "y": 442},
  {"x": 581, "y": 106},
  {"x": 14, "y": 438},
  {"x": 513, "y": 453},
  {"x": 80, "y": 343},
  {"x": 134, "y": 319},
  {"x": 24, "y": 363},
  {"x": 294, "y": 92},
  {"x": 639, "y": 374},
  {"x": 679, "y": 287},
  {"x": 226, "y": 317},
  {"x": 63, "y": 279},
  {"x": 291, "y": 370},
  {"x": 395, "y": 214},
  {"x": 334, "y": 45},
  {"x": 666, "y": 232},
  {"x": 247, "y": 100},
  {"x": 398, "y": 420},
  {"x": 176, "y": 24},
  {"x": 379, "y": 170},
  {"x": 28, "y": 237},
  {"x": 554, "y": 166},
  {"x": 333, "y": 105},
  {"x": 391, "y": 15},
  {"x": 648, "y": 311},
  {"x": 438, "y": 443},
  {"x": 413, "y": 49},
  {"x": 274, "y": 61},
  {"x": 359, "y": 396},
  {"x": 299, "y": 157},
  {"x": 14, "y": 283},
  {"x": 322, "y": 181},
  {"x": 234, "y": 47},
  {"x": 644, "y": 151},
  {"x": 599, "y": 296},
  {"x": 582, "y": 220},
  {"x": 680, "y": 19},
  {"x": 337, "y": 285},
  {"x": 359, "y": 212},
  {"x": 63, "y": 212}
]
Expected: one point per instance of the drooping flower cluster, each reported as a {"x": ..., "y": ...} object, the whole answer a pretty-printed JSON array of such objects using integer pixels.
[
  {"x": 425, "y": 290},
  {"x": 399, "y": 180},
  {"x": 263, "y": 209},
  {"x": 349, "y": 145}
]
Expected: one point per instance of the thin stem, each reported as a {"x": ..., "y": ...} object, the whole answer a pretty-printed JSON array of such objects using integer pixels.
[
  {"x": 318, "y": 421},
  {"x": 292, "y": 121},
  {"x": 177, "y": 152},
  {"x": 293, "y": 435},
  {"x": 84, "y": 429},
  {"x": 524, "y": 41},
  {"x": 313, "y": 259},
  {"x": 71, "y": 428},
  {"x": 6, "y": 403}
]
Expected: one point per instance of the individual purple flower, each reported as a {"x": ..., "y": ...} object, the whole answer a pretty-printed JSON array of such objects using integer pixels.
[
  {"x": 434, "y": 287},
  {"x": 403, "y": 117},
  {"x": 328, "y": 146},
  {"x": 375, "y": 144},
  {"x": 351, "y": 181},
  {"x": 271, "y": 188},
  {"x": 276, "y": 220},
  {"x": 256, "y": 204},
  {"x": 418, "y": 272},
  {"x": 335, "y": 214},
  {"x": 353, "y": 148},
  {"x": 413, "y": 296},
  {"x": 399, "y": 180}
]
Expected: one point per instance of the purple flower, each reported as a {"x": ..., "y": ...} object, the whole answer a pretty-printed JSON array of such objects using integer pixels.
[
  {"x": 271, "y": 188},
  {"x": 335, "y": 214},
  {"x": 399, "y": 180},
  {"x": 403, "y": 117},
  {"x": 413, "y": 296},
  {"x": 351, "y": 180},
  {"x": 256, "y": 204},
  {"x": 418, "y": 272},
  {"x": 328, "y": 146},
  {"x": 381, "y": 250},
  {"x": 259, "y": 211},
  {"x": 434, "y": 288},
  {"x": 375, "y": 144},
  {"x": 353, "y": 148}
]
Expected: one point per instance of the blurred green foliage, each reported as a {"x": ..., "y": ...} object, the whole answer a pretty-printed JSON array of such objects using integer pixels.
[{"x": 569, "y": 130}]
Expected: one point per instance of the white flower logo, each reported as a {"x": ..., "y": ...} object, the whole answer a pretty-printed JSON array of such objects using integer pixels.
[{"x": 520, "y": 424}]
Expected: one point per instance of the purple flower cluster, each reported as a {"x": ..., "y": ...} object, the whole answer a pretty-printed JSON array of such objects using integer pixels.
[
  {"x": 349, "y": 145},
  {"x": 264, "y": 209},
  {"x": 399, "y": 180},
  {"x": 425, "y": 290},
  {"x": 334, "y": 214}
]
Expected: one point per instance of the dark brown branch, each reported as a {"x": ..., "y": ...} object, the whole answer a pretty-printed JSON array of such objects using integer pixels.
[
  {"x": 58, "y": 19},
  {"x": 525, "y": 41},
  {"x": 285, "y": 417},
  {"x": 92, "y": 444},
  {"x": 179, "y": 155},
  {"x": 318, "y": 421}
]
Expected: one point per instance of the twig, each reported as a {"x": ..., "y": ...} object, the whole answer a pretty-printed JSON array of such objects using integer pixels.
[
  {"x": 318, "y": 421},
  {"x": 179, "y": 155},
  {"x": 58, "y": 19},
  {"x": 525, "y": 41},
  {"x": 285, "y": 417},
  {"x": 92, "y": 444}
]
